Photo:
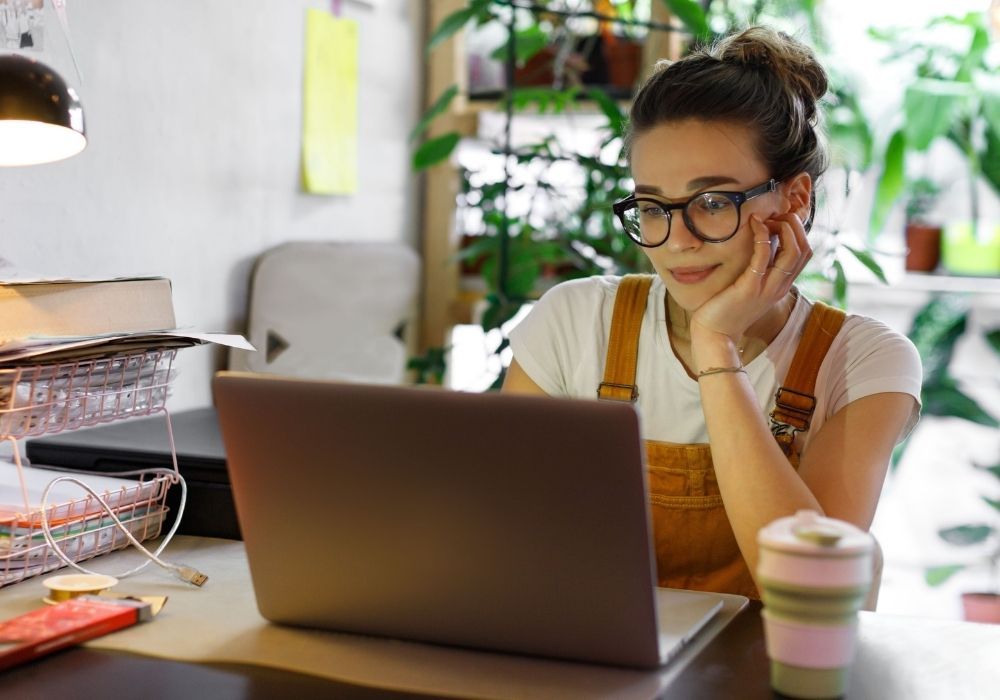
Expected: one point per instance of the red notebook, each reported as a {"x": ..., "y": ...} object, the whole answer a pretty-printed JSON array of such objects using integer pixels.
[{"x": 49, "y": 629}]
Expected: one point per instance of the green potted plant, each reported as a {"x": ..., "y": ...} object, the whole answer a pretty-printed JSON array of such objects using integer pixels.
[
  {"x": 935, "y": 331},
  {"x": 562, "y": 234},
  {"x": 952, "y": 96},
  {"x": 983, "y": 605},
  {"x": 923, "y": 234}
]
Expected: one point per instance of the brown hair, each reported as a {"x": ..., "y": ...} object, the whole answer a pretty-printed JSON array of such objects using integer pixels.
[{"x": 759, "y": 78}]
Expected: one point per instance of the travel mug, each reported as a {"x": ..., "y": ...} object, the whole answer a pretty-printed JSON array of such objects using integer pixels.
[{"x": 814, "y": 574}]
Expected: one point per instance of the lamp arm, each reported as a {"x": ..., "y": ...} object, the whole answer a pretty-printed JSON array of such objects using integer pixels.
[{"x": 60, "y": 6}]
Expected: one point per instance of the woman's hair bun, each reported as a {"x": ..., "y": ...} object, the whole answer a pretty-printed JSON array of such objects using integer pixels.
[{"x": 790, "y": 60}]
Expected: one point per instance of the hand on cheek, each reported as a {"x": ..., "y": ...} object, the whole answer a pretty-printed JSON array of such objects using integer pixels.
[{"x": 780, "y": 251}]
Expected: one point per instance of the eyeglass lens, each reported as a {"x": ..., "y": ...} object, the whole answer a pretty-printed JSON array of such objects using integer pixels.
[{"x": 712, "y": 216}]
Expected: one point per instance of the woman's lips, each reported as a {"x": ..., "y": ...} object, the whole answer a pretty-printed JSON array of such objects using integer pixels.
[{"x": 691, "y": 275}]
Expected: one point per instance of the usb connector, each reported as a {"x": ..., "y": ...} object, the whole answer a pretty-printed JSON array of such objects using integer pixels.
[{"x": 193, "y": 576}]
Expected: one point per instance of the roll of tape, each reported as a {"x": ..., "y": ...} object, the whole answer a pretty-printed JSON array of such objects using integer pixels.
[{"x": 69, "y": 586}]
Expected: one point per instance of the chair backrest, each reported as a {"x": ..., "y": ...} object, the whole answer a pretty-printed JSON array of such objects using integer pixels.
[{"x": 331, "y": 310}]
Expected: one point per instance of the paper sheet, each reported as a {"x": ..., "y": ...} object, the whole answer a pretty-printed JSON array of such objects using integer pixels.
[
  {"x": 329, "y": 105},
  {"x": 117, "y": 492}
]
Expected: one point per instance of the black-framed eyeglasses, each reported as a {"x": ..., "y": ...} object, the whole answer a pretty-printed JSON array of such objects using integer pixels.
[{"x": 713, "y": 217}]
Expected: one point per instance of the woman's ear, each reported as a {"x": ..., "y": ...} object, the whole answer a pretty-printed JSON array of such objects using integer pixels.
[{"x": 798, "y": 194}]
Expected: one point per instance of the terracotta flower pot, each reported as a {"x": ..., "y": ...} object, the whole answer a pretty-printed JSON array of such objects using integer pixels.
[
  {"x": 923, "y": 247},
  {"x": 624, "y": 59},
  {"x": 981, "y": 607}
]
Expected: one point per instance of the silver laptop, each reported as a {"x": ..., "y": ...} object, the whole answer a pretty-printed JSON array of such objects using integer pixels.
[{"x": 491, "y": 521}]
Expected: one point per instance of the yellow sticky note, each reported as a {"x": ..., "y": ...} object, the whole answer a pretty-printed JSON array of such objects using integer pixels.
[{"x": 330, "y": 105}]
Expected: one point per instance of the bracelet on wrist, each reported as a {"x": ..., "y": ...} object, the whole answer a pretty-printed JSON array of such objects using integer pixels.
[{"x": 721, "y": 370}]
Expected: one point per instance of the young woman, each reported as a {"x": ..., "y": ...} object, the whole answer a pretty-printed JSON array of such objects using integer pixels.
[{"x": 755, "y": 402}]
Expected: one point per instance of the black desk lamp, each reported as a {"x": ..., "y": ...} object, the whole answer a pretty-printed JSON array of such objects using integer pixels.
[{"x": 41, "y": 118}]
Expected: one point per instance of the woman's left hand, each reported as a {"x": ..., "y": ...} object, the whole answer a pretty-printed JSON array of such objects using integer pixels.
[{"x": 763, "y": 284}]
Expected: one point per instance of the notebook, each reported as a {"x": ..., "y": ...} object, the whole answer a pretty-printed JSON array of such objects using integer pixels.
[{"x": 489, "y": 521}]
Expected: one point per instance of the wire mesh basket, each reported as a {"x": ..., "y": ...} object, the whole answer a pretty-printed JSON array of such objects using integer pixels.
[{"x": 51, "y": 398}]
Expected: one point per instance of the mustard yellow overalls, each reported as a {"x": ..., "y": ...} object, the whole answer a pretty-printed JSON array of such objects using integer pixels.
[{"x": 695, "y": 545}]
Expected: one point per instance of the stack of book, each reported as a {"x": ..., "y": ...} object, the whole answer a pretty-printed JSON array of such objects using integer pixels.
[
  {"x": 74, "y": 353},
  {"x": 50, "y": 320}
]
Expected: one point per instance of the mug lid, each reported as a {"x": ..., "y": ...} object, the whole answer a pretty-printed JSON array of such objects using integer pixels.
[{"x": 808, "y": 531}]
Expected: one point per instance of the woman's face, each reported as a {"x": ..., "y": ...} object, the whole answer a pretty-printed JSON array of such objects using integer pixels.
[{"x": 675, "y": 161}]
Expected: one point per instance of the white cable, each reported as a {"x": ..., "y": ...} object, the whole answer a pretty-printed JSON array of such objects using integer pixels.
[{"x": 185, "y": 573}]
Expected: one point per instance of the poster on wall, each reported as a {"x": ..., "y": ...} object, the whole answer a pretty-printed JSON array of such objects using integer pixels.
[{"x": 22, "y": 24}]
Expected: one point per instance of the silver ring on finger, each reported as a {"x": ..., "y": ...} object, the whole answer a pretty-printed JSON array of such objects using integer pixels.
[
  {"x": 784, "y": 272},
  {"x": 757, "y": 272}
]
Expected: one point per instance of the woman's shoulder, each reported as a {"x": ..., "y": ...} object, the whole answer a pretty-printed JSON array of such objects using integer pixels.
[
  {"x": 866, "y": 344},
  {"x": 866, "y": 334},
  {"x": 586, "y": 292},
  {"x": 859, "y": 328}
]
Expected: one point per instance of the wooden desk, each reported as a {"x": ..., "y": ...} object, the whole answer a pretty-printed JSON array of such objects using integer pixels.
[{"x": 239, "y": 655}]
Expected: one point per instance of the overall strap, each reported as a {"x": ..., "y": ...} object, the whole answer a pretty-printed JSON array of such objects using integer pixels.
[
  {"x": 795, "y": 400},
  {"x": 623, "y": 343}
]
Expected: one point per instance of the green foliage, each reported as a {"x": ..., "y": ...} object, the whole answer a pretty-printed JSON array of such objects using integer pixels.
[
  {"x": 951, "y": 96},
  {"x": 921, "y": 194},
  {"x": 440, "y": 105},
  {"x": 965, "y": 535},
  {"x": 429, "y": 368},
  {"x": 866, "y": 259},
  {"x": 527, "y": 42},
  {"x": 692, "y": 16},
  {"x": 890, "y": 183},
  {"x": 435, "y": 150},
  {"x": 935, "y": 331},
  {"x": 456, "y": 21},
  {"x": 936, "y": 575}
]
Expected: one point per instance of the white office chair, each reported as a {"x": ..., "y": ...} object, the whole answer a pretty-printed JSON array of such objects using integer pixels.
[{"x": 331, "y": 310}]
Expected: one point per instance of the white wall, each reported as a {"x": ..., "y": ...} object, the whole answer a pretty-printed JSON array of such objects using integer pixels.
[{"x": 193, "y": 113}]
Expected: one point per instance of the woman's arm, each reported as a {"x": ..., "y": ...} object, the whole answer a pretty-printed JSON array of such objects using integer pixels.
[
  {"x": 840, "y": 475},
  {"x": 517, "y": 381}
]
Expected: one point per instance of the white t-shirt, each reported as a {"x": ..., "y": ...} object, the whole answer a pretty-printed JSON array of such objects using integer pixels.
[{"x": 562, "y": 344}]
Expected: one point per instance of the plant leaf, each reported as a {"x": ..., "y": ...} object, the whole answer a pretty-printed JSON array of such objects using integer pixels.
[
  {"x": 451, "y": 24},
  {"x": 616, "y": 118},
  {"x": 439, "y": 106},
  {"x": 868, "y": 261},
  {"x": 937, "y": 575},
  {"x": 433, "y": 151},
  {"x": 930, "y": 107},
  {"x": 948, "y": 400},
  {"x": 994, "y": 470},
  {"x": 692, "y": 16},
  {"x": 527, "y": 42},
  {"x": 965, "y": 535},
  {"x": 839, "y": 285},
  {"x": 993, "y": 339},
  {"x": 936, "y": 328},
  {"x": 890, "y": 184},
  {"x": 990, "y": 161},
  {"x": 995, "y": 504}
]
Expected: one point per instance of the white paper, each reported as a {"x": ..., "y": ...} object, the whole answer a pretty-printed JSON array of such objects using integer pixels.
[
  {"x": 13, "y": 274},
  {"x": 116, "y": 491},
  {"x": 39, "y": 346}
]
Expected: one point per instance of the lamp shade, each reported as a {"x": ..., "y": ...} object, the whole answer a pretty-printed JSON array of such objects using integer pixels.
[{"x": 41, "y": 119}]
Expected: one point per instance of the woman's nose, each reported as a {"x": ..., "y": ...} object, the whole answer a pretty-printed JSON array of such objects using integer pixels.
[{"x": 681, "y": 238}]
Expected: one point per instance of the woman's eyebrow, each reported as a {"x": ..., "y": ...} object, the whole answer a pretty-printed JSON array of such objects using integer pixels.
[{"x": 699, "y": 183}]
